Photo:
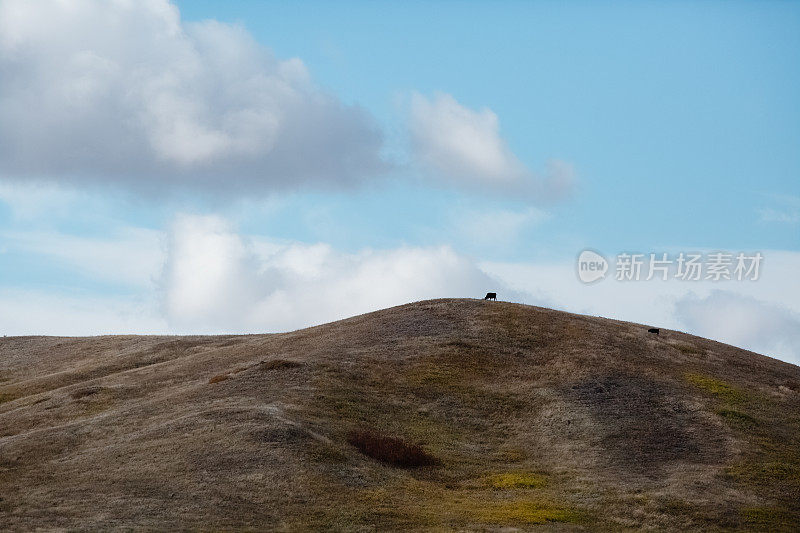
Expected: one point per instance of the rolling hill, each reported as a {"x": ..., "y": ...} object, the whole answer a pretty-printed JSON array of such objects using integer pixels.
[{"x": 435, "y": 415}]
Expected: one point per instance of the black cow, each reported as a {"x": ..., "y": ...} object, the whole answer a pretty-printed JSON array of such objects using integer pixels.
[
  {"x": 491, "y": 296},
  {"x": 653, "y": 330}
]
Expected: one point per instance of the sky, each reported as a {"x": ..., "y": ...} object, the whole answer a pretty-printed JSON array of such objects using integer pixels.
[{"x": 249, "y": 166}]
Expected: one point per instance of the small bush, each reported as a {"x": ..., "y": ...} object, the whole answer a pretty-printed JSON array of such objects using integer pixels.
[
  {"x": 392, "y": 450},
  {"x": 83, "y": 393},
  {"x": 220, "y": 377},
  {"x": 279, "y": 364}
]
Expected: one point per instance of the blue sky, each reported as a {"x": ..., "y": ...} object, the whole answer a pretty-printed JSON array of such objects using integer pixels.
[
  {"x": 667, "y": 110},
  {"x": 238, "y": 166}
]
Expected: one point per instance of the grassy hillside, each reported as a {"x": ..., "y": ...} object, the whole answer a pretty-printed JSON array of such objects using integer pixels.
[{"x": 444, "y": 414}]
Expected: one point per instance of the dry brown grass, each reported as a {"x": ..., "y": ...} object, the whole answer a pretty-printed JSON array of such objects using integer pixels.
[
  {"x": 84, "y": 392},
  {"x": 540, "y": 419},
  {"x": 218, "y": 378}
]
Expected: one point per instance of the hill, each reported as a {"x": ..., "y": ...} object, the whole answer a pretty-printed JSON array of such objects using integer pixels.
[{"x": 443, "y": 414}]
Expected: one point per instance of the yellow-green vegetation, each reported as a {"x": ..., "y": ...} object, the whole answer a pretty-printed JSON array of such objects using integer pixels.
[
  {"x": 717, "y": 387},
  {"x": 736, "y": 417},
  {"x": 769, "y": 518},
  {"x": 525, "y": 512},
  {"x": 767, "y": 473},
  {"x": 417, "y": 503},
  {"x": 517, "y": 480},
  {"x": 8, "y": 396},
  {"x": 326, "y": 453},
  {"x": 689, "y": 349}
]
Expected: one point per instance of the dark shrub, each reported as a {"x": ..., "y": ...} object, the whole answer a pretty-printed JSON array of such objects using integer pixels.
[
  {"x": 82, "y": 393},
  {"x": 392, "y": 450},
  {"x": 278, "y": 364}
]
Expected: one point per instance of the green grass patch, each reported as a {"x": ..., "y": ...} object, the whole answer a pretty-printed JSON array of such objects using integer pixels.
[
  {"x": 769, "y": 518},
  {"x": 737, "y": 418},
  {"x": 720, "y": 389},
  {"x": 517, "y": 480}
]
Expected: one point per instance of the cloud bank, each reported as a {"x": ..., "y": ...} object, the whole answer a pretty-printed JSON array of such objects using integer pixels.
[
  {"x": 217, "y": 280},
  {"x": 124, "y": 92},
  {"x": 464, "y": 147},
  {"x": 742, "y": 321},
  {"x": 204, "y": 276}
]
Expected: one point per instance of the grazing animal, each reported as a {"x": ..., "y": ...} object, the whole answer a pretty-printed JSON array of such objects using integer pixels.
[
  {"x": 490, "y": 296},
  {"x": 653, "y": 330}
]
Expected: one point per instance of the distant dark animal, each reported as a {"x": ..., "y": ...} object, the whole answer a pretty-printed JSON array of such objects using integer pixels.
[
  {"x": 653, "y": 330},
  {"x": 490, "y": 296}
]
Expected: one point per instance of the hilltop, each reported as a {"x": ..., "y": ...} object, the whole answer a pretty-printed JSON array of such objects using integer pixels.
[{"x": 508, "y": 415}]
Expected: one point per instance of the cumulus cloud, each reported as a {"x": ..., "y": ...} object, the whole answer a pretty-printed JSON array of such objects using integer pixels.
[
  {"x": 124, "y": 91},
  {"x": 464, "y": 147},
  {"x": 217, "y": 280},
  {"x": 743, "y": 321}
]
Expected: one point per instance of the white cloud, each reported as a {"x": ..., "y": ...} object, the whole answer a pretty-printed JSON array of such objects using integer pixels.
[
  {"x": 743, "y": 321},
  {"x": 464, "y": 146},
  {"x": 217, "y": 280},
  {"x": 459, "y": 141},
  {"x": 211, "y": 277},
  {"x": 124, "y": 91},
  {"x": 34, "y": 312},
  {"x": 130, "y": 256}
]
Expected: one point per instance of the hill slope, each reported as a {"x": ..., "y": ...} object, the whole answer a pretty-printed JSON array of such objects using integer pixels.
[{"x": 535, "y": 418}]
